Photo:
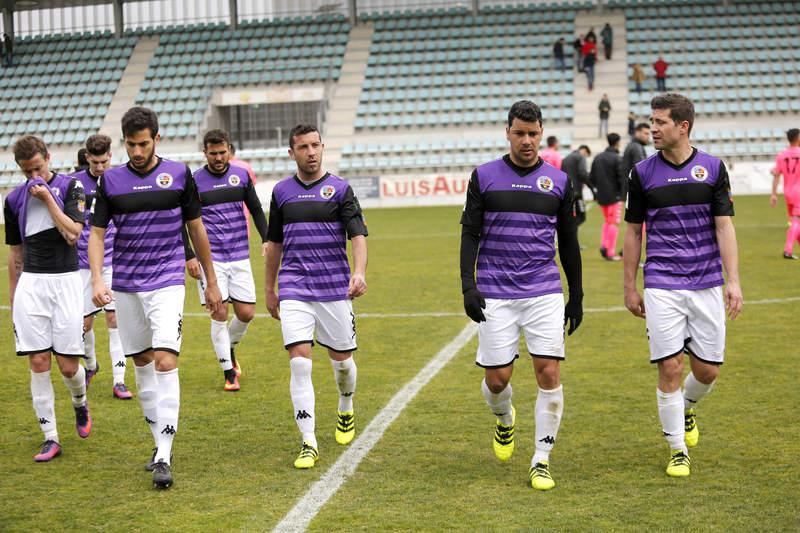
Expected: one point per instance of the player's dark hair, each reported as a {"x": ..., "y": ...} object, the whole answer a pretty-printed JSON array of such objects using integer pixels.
[
  {"x": 82, "y": 161},
  {"x": 680, "y": 108},
  {"x": 232, "y": 148},
  {"x": 642, "y": 126},
  {"x": 613, "y": 138},
  {"x": 526, "y": 111},
  {"x": 584, "y": 147},
  {"x": 216, "y": 137},
  {"x": 552, "y": 140},
  {"x": 137, "y": 119},
  {"x": 793, "y": 134},
  {"x": 98, "y": 144},
  {"x": 27, "y": 147},
  {"x": 301, "y": 129}
]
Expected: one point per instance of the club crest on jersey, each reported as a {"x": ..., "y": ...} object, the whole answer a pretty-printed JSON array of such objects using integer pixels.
[
  {"x": 164, "y": 180},
  {"x": 699, "y": 173},
  {"x": 544, "y": 183},
  {"x": 234, "y": 180},
  {"x": 81, "y": 206},
  {"x": 327, "y": 192}
]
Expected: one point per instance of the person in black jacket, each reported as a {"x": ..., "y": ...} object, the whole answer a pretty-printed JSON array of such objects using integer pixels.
[
  {"x": 558, "y": 54},
  {"x": 635, "y": 151},
  {"x": 578, "y": 171},
  {"x": 608, "y": 179}
]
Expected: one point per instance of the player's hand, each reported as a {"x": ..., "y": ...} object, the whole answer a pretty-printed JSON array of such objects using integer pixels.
[
  {"x": 634, "y": 303},
  {"x": 358, "y": 286},
  {"x": 573, "y": 313},
  {"x": 101, "y": 296},
  {"x": 264, "y": 250},
  {"x": 193, "y": 266},
  {"x": 40, "y": 192},
  {"x": 273, "y": 305},
  {"x": 213, "y": 297},
  {"x": 474, "y": 304},
  {"x": 733, "y": 300},
  {"x": 773, "y": 200}
]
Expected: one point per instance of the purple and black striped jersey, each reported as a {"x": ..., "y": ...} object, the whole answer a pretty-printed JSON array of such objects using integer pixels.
[
  {"x": 313, "y": 221},
  {"x": 678, "y": 204},
  {"x": 89, "y": 183},
  {"x": 518, "y": 211},
  {"x": 149, "y": 211},
  {"x": 221, "y": 196}
]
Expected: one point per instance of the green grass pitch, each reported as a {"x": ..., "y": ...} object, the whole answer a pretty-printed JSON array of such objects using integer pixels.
[{"x": 434, "y": 468}]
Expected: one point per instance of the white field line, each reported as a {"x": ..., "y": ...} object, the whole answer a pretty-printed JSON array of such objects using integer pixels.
[{"x": 307, "y": 507}]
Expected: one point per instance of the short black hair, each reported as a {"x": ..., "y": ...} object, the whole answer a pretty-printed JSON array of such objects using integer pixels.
[
  {"x": 216, "y": 137},
  {"x": 302, "y": 129},
  {"x": 613, "y": 138},
  {"x": 526, "y": 111},
  {"x": 642, "y": 126},
  {"x": 232, "y": 148},
  {"x": 137, "y": 119},
  {"x": 552, "y": 140},
  {"x": 584, "y": 147},
  {"x": 27, "y": 147},
  {"x": 82, "y": 161},
  {"x": 680, "y": 107},
  {"x": 793, "y": 134}
]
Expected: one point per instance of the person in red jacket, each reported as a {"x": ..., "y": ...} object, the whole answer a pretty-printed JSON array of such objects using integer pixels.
[{"x": 661, "y": 67}]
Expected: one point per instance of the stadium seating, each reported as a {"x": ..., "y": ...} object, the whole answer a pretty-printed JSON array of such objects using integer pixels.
[
  {"x": 61, "y": 85},
  {"x": 190, "y": 61}
]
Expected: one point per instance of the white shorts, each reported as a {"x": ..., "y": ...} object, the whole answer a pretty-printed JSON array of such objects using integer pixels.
[
  {"x": 541, "y": 320},
  {"x": 151, "y": 320},
  {"x": 334, "y": 322},
  {"x": 47, "y": 314},
  {"x": 88, "y": 305},
  {"x": 235, "y": 280},
  {"x": 685, "y": 320}
]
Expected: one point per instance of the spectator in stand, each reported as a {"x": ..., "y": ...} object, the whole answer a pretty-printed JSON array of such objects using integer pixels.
[
  {"x": 605, "y": 108},
  {"x": 589, "y": 60},
  {"x": 638, "y": 77},
  {"x": 577, "y": 45},
  {"x": 661, "y": 67},
  {"x": 550, "y": 154},
  {"x": 558, "y": 54},
  {"x": 8, "y": 50},
  {"x": 591, "y": 35},
  {"x": 607, "y": 33}
]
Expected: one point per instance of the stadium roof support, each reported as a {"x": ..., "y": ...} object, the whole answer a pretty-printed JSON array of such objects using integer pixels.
[{"x": 8, "y": 17}]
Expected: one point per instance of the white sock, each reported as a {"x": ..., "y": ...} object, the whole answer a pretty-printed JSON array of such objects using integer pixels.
[
  {"x": 88, "y": 346},
  {"x": 670, "y": 411},
  {"x": 499, "y": 403},
  {"x": 169, "y": 403},
  {"x": 44, "y": 400},
  {"x": 237, "y": 329},
  {"x": 148, "y": 395},
  {"x": 222, "y": 343},
  {"x": 345, "y": 373},
  {"x": 118, "y": 363},
  {"x": 694, "y": 391},
  {"x": 548, "y": 410},
  {"x": 302, "y": 392},
  {"x": 77, "y": 386}
]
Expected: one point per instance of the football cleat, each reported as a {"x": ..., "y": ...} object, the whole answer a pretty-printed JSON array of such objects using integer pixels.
[
  {"x": 121, "y": 392},
  {"x": 232, "y": 386},
  {"x": 307, "y": 458},
  {"x": 679, "y": 464},
  {"x": 691, "y": 433},
  {"x": 50, "y": 450},
  {"x": 235, "y": 362},
  {"x": 503, "y": 443},
  {"x": 162, "y": 475},
  {"x": 152, "y": 462},
  {"x": 90, "y": 374},
  {"x": 345, "y": 427},
  {"x": 540, "y": 478},
  {"x": 83, "y": 421},
  {"x": 789, "y": 255}
]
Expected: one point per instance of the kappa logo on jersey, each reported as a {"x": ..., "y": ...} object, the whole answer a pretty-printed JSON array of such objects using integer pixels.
[
  {"x": 234, "y": 180},
  {"x": 699, "y": 173},
  {"x": 301, "y": 415},
  {"x": 327, "y": 192},
  {"x": 544, "y": 183},
  {"x": 164, "y": 180}
]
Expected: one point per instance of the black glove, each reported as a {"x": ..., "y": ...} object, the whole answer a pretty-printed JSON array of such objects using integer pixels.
[
  {"x": 474, "y": 305},
  {"x": 573, "y": 313}
]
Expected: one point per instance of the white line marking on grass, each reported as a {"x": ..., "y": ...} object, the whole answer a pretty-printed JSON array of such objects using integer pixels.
[{"x": 300, "y": 516}]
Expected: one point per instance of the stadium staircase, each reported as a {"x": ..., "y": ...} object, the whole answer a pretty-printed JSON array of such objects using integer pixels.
[
  {"x": 611, "y": 77},
  {"x": 129, "y": 86}
]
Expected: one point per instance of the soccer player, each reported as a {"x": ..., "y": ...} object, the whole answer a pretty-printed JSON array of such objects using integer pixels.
[
  {"x": 683, "y": 194},
  {"x": 98, "y": 157},
  {"x": 607, "y": 177},
  {"x": 787, "y": 164},
  {"x": 311, "y": 216},
  {"x": 550, "y": 154},
  {"x": 149, "y": 200},
  {"x": 223, "y": 189},
  {"x": 43, "y": 218},
  {"x": 515, "y": 207}
]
